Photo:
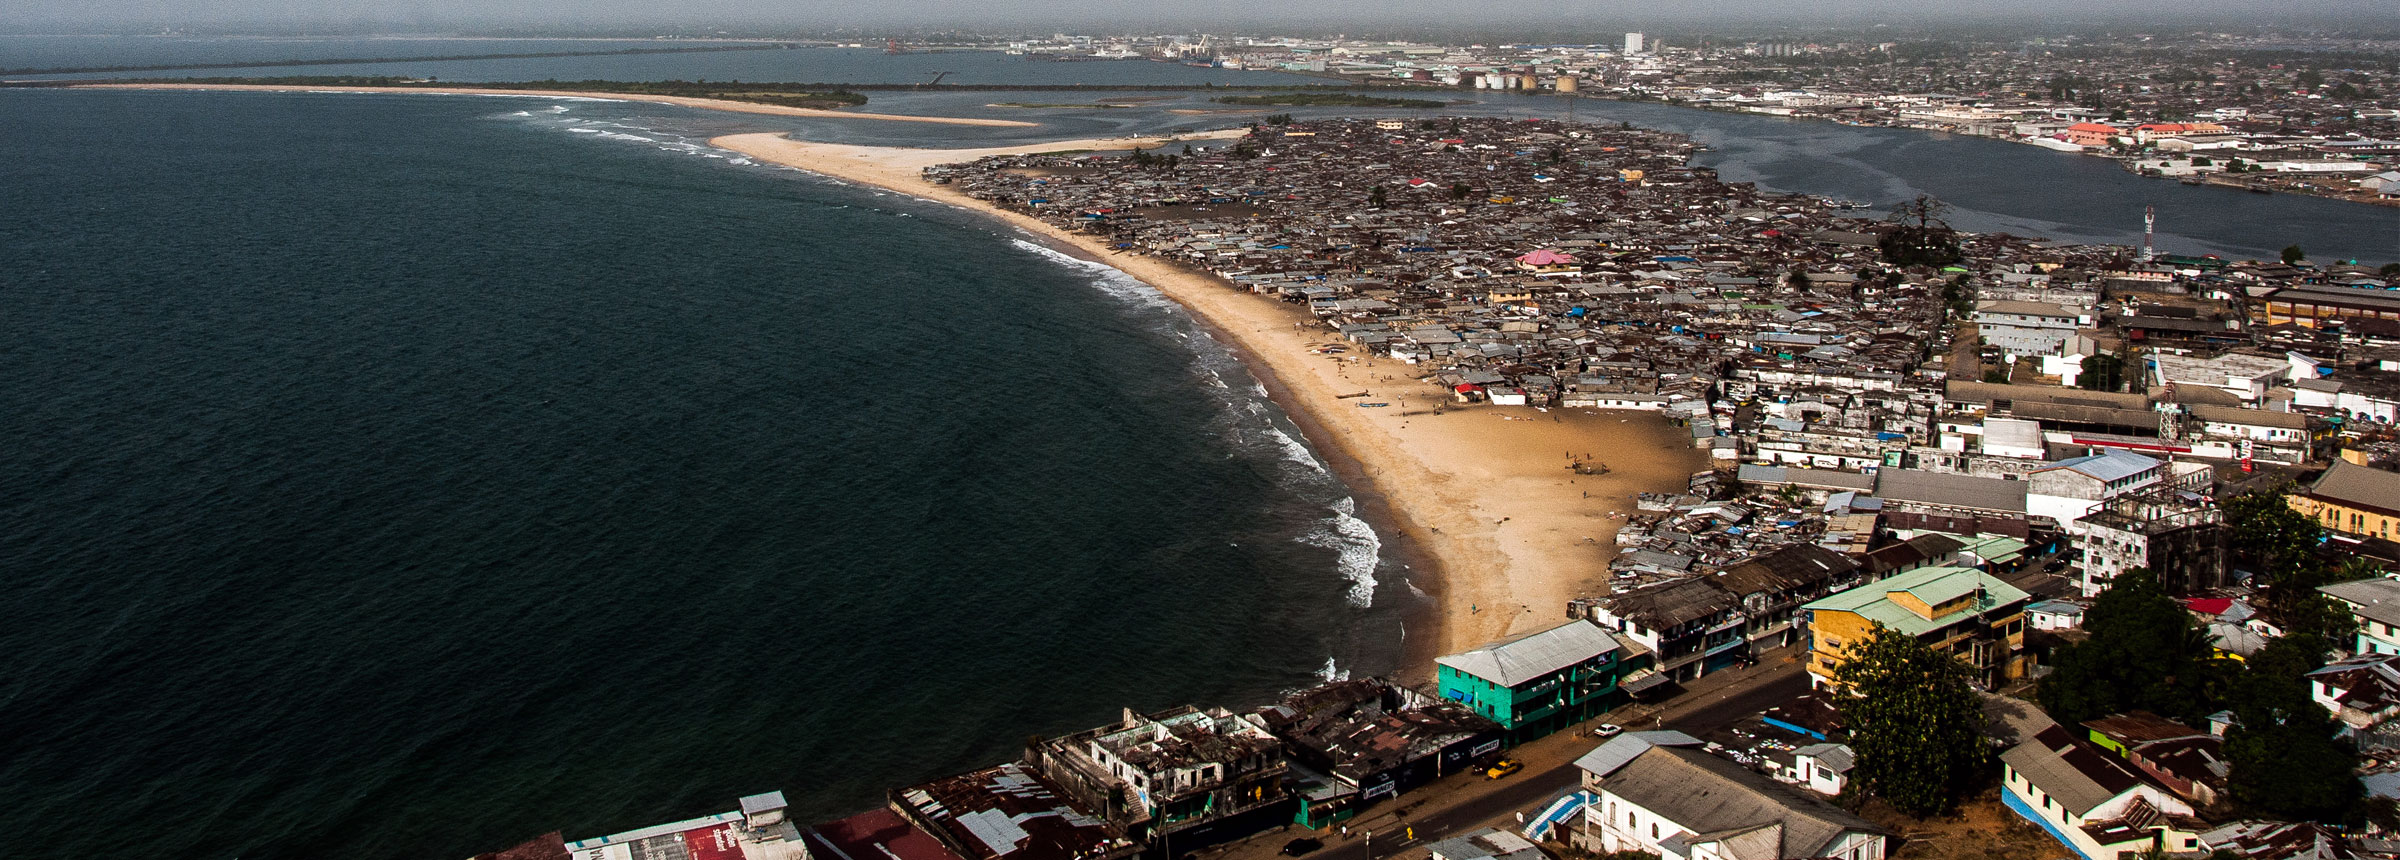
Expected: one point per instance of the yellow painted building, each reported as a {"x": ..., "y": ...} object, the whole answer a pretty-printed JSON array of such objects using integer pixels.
[
  {"x": 1956, "y": 610},
  {"x": 2354, "y": 500}
]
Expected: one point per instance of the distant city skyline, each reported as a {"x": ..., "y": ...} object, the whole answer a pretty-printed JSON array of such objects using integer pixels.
[{"x": 1596, "y": 19}]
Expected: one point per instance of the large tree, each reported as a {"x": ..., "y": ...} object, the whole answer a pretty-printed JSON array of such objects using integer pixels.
[
  {"x": 2266, "y": 534},
  {"x": 2282, "y": 547},
  {"x": 1919, "y": 236},
  {"x": 1915, "y": 723},
  {"x": 2286, "y": 761},
  {"x": 2145, "y": 653}
]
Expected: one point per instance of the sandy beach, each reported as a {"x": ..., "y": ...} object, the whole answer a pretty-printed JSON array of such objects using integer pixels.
[
  {"x": 1490, "y": 492},
  {"x": 684, "y": 101}
]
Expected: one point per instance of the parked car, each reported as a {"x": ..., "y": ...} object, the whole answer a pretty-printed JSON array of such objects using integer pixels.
[
  {"x": 1607, "y": 730},
  {"x": 1503, "y": 768},
  {"x": 1301, "y": 846}
]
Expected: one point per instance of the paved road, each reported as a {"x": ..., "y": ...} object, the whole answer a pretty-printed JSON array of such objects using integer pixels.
[{"x": 1698, "y": 714}]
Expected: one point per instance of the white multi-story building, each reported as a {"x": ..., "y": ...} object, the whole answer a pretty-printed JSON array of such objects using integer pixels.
[
  {"x": 1633, "y": 43},
  {"x": 2376, "y": 605},
  {"x": 2026, "y": 328},
  {"x": 1660, "y": 793}
]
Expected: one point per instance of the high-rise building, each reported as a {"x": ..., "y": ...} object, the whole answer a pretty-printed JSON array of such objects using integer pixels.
[{"x": 1633, "y": 43}]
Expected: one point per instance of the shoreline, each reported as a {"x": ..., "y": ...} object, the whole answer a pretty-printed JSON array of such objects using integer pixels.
[
  {"x": 1507, "y": 534},
  {"x": 2122, "y": 162},
  {"x": 680, "y": 101}
]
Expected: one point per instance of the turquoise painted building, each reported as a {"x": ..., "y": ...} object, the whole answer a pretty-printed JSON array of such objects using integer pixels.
[{"x": 1538, "y": 683}]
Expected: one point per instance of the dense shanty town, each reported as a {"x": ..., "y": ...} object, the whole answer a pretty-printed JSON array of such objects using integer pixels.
[
  {"x": 2269, "y": 113},
  {"x": 2141, "y": 510}
]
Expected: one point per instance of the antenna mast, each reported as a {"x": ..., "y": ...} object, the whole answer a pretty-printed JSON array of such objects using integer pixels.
[{"x": 2149, "y": 233}]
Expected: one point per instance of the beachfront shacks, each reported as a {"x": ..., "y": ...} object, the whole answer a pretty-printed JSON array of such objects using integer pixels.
[
  {"x": 1371, "y": 740},
  {"x": 1720, "y": 618},
  {"x": 1660, "y": 793},
  {"x": 1192, "y": 775},
  {"x": 1956, "y": 610},
  {"x": 1537, "y": 683}
]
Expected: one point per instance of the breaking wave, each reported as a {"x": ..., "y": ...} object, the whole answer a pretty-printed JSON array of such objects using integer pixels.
[
  {"x": 1357, "y": 546},
  {"x": 1109, "y": 279}
]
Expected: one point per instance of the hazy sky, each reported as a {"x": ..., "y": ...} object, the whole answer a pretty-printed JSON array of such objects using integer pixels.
[{"x": 399, "y": 15}]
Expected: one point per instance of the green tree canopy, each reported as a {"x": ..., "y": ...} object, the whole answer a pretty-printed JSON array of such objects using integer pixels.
[
  {"x": 2286, "y": 761},
  {"x": 2293, "y": 254},
  {"x": 2145, "y": 653},
  {"x": 2101, "y": 372},
  {"x": 1917, "y": 726},
  {"x": 2281, "y": 546}
]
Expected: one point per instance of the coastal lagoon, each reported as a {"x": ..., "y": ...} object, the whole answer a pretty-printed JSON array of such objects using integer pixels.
[{"x": 404, "y": 476}]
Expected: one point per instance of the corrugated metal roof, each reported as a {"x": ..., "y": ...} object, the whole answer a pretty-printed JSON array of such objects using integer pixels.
[
  {"x": 1510, "y": 662},
  {"x": 1956, "y": 491},
  {"x": 1933, "y": 585},
  {"x": 1606, "y": 758},
  {"x": 2109, "y": 466},
  {"x": 2358, "y": 486},
  {"x": 2375, "y": 599},
  {"x": 1712, "y": 799}
]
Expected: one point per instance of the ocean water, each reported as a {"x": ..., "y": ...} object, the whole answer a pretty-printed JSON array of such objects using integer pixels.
[
  {"x": 406, "y": 476},
  {"x": 812, "y": 64}
]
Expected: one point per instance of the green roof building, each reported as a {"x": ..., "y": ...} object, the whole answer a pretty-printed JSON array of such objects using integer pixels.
[
  {"x": 1960, "y": 610},
  {"x": 1538, "y": 683}
]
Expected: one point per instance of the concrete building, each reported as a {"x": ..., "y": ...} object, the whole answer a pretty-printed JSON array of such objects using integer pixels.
[
  {"x": 2375, "y": 603},
  {"x": 2094, "y": 803},
  {"x": 2026, "y": 328},
  {"x": 1485, "y": 844},
  {"x": 2355, "y": 500},
  {"x": 1537, "y": 683},
  {"x": 2316, "y": 306},
  {"x": 2068, "y": 489},
  {"x": 2178, "y": 535},
  {"x": 1657, "y": 792},
  {"x": 1152, "y": 776},
  {"x": 1633, "y": 43},
  {"x": 1373, "y": 740},
  {"x": 1824, "y": 768},
  {"x": 1969, "y": 613}
]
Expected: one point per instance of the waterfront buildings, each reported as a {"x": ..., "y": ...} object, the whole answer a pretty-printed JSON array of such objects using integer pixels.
[
  {"x": 1538, "y": 683},
  {"x": 1698, "y": 625},
  {"x": 1151, "y": 776},
  {"x": 1372, "y": 740}
]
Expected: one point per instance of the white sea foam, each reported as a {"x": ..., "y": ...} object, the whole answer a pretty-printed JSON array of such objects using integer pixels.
[
  {"x": 1298, "y": 453},
  {"x": 1357, "y": 548},
  {"x": 1108, "y": 278},
  {"x": 1333, "y": 674}
]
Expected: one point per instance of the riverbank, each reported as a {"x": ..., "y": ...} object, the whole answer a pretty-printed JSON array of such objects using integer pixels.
[
  {"x": 683, "y": 101},
  {"x": 1488, "y": 493}
]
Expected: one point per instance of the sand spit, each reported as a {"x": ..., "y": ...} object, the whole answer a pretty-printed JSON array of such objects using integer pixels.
[{"x": 1490, "y": 492}]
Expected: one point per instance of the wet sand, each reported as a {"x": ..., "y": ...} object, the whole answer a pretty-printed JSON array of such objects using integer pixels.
[
  {"x": 1489, "y": 492},
  {"x": 684, "y": 101}
]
